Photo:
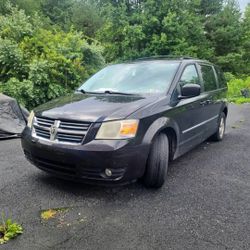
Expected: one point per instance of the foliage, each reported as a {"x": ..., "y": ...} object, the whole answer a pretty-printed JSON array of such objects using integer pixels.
[
  {"x": 82, "y": 14},
  {"x": 85, "y": 18},
  {"x": 240, "y": 100},
  {"x": 37, "y": 65},
  {"x": 153, "y": 28},
  {"x": 15, "y": 25},
  {"x": 58, "y": 11},
  {"x": 9, "y": 230},
  {"x": 235, "y": 88},
  {"x": 246, "y": 41},
  {"x": 224, "y": 29}
]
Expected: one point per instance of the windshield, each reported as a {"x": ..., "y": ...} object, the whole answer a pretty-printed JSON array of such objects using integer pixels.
[{"x": 133, "y": 78}]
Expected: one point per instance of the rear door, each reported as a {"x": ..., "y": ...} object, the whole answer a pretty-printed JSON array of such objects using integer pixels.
[{"x": 211, "y": 104}]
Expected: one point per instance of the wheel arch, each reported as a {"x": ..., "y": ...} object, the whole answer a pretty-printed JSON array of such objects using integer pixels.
[
  {"x": 225, "y": 110},
  {"x": 172, "y": 137},
  {"x": 170, "y": 128}
]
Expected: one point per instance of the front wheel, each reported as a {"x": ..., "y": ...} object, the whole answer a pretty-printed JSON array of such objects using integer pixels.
[
  {"x": 157, "y": 164},
  {"x": 219, "y": 134}
]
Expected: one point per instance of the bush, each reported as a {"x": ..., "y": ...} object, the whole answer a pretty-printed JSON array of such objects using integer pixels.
[
  {"x": 12, "y": 62},
  {"x": 15, "y": 25},
  {"x": 235, "y": 87},
  {"x": 37, "y": 64}
]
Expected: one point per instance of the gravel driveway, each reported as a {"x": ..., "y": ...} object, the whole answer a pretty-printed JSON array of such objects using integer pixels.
[{"x": 205, "y": 203}]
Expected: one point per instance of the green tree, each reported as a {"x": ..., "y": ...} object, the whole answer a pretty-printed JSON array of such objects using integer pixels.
[
  {"x": 246, "y": 41},
  {"x": 86, "y": 18},
  {"x": 210, "y": 7},
  {"x": 29, "y": 6},
  {"x": 58, "y": 11},
  {"x": 150, "y": 27},
  {"x": 37, "y": 64},
  {"x": 224, "y": 29}
]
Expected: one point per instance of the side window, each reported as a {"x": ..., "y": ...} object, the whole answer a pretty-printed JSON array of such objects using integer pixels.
[
  {"x": 189, "y": 75},
  {"x": 208, "y": 77},
  {"x": 221, "y": 78}
]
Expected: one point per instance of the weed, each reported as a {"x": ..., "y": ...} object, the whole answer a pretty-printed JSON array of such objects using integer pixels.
[{"x": 9, "y": 230}]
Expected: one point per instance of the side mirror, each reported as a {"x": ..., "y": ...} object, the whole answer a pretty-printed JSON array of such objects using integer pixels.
[{"x": 190, "y": 90}]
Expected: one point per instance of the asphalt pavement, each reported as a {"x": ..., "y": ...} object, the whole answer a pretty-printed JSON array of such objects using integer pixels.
[{"x": 205, "y": 203}]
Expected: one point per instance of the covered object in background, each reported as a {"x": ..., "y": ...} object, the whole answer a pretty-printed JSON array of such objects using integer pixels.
[{"x": 12, "y": 117}]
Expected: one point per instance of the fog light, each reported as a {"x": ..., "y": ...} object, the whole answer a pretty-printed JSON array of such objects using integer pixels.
[{"x": 108, "y": 172}]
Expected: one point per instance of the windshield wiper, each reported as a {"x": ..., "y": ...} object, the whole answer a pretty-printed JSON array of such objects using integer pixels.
[
  {"x": 116, "y": 92},
  {"x": 87, "y": 92},
  {"x": 103, "y": 92}
]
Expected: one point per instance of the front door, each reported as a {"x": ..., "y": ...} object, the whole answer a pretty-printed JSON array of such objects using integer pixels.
[{"x": 189, "y": 113}]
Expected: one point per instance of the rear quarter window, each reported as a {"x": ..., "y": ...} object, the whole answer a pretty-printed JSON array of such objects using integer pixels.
[
  {"x": 208, "y": 77},
  {"x": 221, "y": 78}
]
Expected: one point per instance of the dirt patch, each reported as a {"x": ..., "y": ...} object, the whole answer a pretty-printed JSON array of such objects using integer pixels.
[{"x": 61, "y": 217}]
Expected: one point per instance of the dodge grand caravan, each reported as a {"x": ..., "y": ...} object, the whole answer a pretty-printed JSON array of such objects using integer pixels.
[{"x": 128, "y": 121}]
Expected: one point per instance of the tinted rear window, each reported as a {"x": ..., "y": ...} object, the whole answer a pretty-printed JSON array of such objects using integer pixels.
[{"x": 208, "y": 77}]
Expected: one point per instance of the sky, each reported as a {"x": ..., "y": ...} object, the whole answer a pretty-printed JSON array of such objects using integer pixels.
[{"x": 243, "y": 3}]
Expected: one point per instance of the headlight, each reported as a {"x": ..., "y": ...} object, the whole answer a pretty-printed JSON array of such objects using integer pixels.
[
  {"x": 30, "y": 119},
  {"x": 118, "y": 130}
]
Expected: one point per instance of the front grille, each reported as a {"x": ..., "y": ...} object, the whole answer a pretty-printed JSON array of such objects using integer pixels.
[
  {"x": 42, "y": 132},
  {"x": 44, "y": 122},
  {"x": 55, "y": 166},
  {"x": 60, "y": 131}
]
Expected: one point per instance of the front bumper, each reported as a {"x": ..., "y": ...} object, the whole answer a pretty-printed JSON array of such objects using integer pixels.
[{"x": 87, "y": 163}]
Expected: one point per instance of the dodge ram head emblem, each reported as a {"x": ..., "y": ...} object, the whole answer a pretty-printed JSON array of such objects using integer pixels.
[{"x": 53, "y": 130}]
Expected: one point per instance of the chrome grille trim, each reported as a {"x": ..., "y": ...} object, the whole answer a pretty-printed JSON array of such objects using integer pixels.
[
  {"x": 44, "y": 122},
  {"x": 60, "y": 131}
]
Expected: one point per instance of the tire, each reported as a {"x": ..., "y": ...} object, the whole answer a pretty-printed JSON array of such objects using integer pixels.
[
  {"x": 157, "y": 164},
  {"x": 220, "y": 132}
]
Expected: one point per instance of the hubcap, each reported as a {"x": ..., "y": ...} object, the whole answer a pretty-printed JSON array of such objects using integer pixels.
[{"x": 222, "y": 128}]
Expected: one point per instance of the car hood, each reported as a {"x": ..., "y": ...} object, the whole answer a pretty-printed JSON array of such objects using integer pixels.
[{"x": 93, "y": 108}]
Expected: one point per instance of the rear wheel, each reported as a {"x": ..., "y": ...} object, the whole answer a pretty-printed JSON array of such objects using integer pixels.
[
  {"x": 219, "y": 135},
  {"x": 157, "y": 164}
]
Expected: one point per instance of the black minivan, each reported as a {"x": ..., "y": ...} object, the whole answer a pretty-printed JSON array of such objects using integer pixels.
[{"x": 128, "y": 121}]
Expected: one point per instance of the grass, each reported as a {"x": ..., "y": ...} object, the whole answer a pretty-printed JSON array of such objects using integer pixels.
[
  {"x": 239, "y": 100},
  {"x": 9, "y": 230}
]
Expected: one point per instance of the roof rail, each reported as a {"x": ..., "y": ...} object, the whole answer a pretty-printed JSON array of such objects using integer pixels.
[{"x": 165, "y": 57}]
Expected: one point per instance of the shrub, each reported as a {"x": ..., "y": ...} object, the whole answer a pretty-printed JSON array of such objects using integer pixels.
[
  {"x": 235, "y": 87},
  {"x": 12, "y": 62},
  {"x": 37, "y": 64}
]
